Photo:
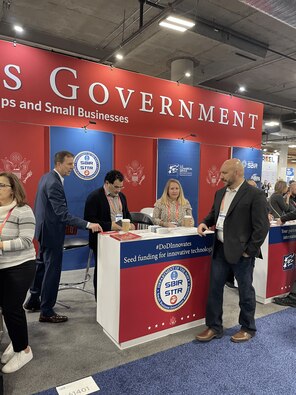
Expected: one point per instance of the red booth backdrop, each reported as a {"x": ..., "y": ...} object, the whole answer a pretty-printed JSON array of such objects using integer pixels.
[{"x": 38, "y": 87}]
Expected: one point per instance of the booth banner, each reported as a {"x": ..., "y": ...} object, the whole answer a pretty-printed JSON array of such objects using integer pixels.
[
  {"x": 93, "y": 152},
  {"x": 135, "y": 157},
  {"x": 180, "y": 160},
  {"x": 251, "y": 159},
  {"x": 163, "y": 283},
  {"x": 282, "y": 247},
  {"x": 22, "y": 153},
  {"x": 61, "y": 90},
  {"x": 211, "y": 160},
  {"x": 270, "y": 169}
]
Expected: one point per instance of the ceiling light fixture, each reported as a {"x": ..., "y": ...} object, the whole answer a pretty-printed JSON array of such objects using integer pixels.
[
  {"x": 241, "y": 89},
  {"x": 180, "y": 21},
  {"x": 173, "y": 27},
  {"x": 18, "y": 28},
  {"x": 177, "y": 23},
  {"x": 119, "y": 56},
  {"x": 187, "y": 74},
  {"x": 271, "y": 123},
  {"x": 292, "y": 146}
]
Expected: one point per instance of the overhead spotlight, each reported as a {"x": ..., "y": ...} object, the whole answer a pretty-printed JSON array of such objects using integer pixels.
[
  {"x": 272, "y": 123},
  {"x": 188, "y": 135},
  {"x": 18, "y": 28},
  {"x": 89, "y": 123},
  {"x": 177, "y": 23},
  {"x": 185, "y": 75},
  {"x": 242, "y": 89},
  {"x": 264, "y": 149},
  {"x": 119, "y": 56}
]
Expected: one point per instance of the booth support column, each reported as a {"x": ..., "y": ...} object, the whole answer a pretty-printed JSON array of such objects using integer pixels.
[{"x": 283, "y": 160}]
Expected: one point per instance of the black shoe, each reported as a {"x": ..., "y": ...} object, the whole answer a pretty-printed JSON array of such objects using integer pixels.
[
  {"x": 32, "y": 305},
  {"x": 287, "y": 301},
  {"x": 230, "y": 285}
]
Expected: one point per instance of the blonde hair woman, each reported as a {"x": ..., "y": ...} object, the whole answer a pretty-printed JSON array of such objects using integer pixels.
[
  {"x": 170, "y": 209},
  {"x": 278, "y": 203}
]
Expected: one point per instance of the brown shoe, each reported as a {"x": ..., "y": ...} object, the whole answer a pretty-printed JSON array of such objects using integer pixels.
[
  {"x": 54, "y": 319},
  {"x": 208, "y": 335},
  {"x": 241, "y": 336}
]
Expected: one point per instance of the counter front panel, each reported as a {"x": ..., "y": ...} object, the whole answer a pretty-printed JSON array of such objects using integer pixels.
[{"x": 163, "y": 283}]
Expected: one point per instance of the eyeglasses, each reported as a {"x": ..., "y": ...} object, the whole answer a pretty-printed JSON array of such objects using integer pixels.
[
  {"x": 117, "y": 187},
  {"x": 4, "y": 186}
]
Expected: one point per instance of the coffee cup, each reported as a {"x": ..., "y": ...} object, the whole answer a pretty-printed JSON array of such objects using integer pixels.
[
  {"x": 126, "y": 225},
  {"x": 187, "y": 221}
]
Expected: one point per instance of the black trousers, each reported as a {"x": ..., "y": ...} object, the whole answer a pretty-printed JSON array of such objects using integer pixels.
[
  {"x": 243, "y": 272},
  {"x": 14, "y": 284}
]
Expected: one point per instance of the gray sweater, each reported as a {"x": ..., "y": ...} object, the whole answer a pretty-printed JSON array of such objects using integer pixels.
[{"x": 17, "y": 236}]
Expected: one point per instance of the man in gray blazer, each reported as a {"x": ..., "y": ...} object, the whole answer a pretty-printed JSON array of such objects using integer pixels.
[
  {"x": 240, "y": 215},
  {"x": 52, "y": 216}
]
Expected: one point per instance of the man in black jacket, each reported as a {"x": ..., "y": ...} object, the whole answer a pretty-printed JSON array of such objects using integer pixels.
[
  {"x": 109, "y": 206},
  {"x": 240, "y": 215}
]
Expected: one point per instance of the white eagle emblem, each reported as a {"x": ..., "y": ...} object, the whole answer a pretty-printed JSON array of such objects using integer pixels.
[
  {"x": 213, "y": 177},
  {"x": 134, "y": 174},
  {"x": 18, "y": 165}
]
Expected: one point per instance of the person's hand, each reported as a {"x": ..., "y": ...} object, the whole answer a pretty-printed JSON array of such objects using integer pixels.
[
  {"x": 279, "y": 222},
  {"x": 201, "y": 228},
  {"x": 132, "y": 227},
  {"x": 245, "y": 255},
  {"x": 115, "y": 226},
  {"x": 95, "y": 228},
  {"x": 170, "y": 225},
  {"x": 270, "y": 217}
]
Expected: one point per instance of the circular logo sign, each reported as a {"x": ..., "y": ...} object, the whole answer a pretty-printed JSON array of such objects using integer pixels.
[
  {"x": 86, "y": 165},
  {"x": 173, "y": 288}
]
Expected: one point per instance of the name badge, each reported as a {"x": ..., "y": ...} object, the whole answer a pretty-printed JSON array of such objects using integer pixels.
[
  {"x": 118, "y": 217},
  {"x": 220, "y": 221}
]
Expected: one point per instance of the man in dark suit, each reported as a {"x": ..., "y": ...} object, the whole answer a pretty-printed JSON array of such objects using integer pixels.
[
  {"x": 240, "y": 214},
  {"x": 107, "y": 206},
  {"x": 52, "y": 216}
]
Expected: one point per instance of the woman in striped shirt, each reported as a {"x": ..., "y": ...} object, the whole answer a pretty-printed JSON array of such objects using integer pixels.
[{"x": 17, "y": 268}]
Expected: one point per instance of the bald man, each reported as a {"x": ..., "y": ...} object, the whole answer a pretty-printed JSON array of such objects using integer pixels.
[{"x": 240, "y": 217}]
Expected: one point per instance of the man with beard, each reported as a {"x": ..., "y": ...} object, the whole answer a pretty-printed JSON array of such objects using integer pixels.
[{"x": 240, "y": 214}]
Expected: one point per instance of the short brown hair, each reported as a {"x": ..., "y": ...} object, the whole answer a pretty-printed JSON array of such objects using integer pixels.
[
  {"x": 17, "y": 188},
  {"x": 60, "y": 156}
]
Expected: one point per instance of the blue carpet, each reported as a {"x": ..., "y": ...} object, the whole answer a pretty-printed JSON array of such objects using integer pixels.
[{"x": 264, "y": 365}]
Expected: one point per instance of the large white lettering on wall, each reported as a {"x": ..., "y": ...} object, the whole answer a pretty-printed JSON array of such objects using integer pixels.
[{"x": 64, "y": 89}]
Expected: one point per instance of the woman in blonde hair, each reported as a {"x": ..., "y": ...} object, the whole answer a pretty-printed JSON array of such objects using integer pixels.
[
  {"x": 279, "y": 200},
  {"x": 170, "y": 209}
]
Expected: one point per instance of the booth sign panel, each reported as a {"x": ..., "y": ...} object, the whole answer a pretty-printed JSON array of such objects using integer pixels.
[
  {"x": 281, "y": 260},
  {"x": 163, "y": 283}
]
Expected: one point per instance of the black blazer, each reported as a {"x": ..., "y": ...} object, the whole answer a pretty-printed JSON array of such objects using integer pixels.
[
  {"x": 246, "y": 223},
  {"x": 97, "y": 209}
]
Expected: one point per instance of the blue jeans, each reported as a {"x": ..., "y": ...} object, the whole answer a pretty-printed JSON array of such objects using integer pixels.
[{"x": 243, "y": 272}]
